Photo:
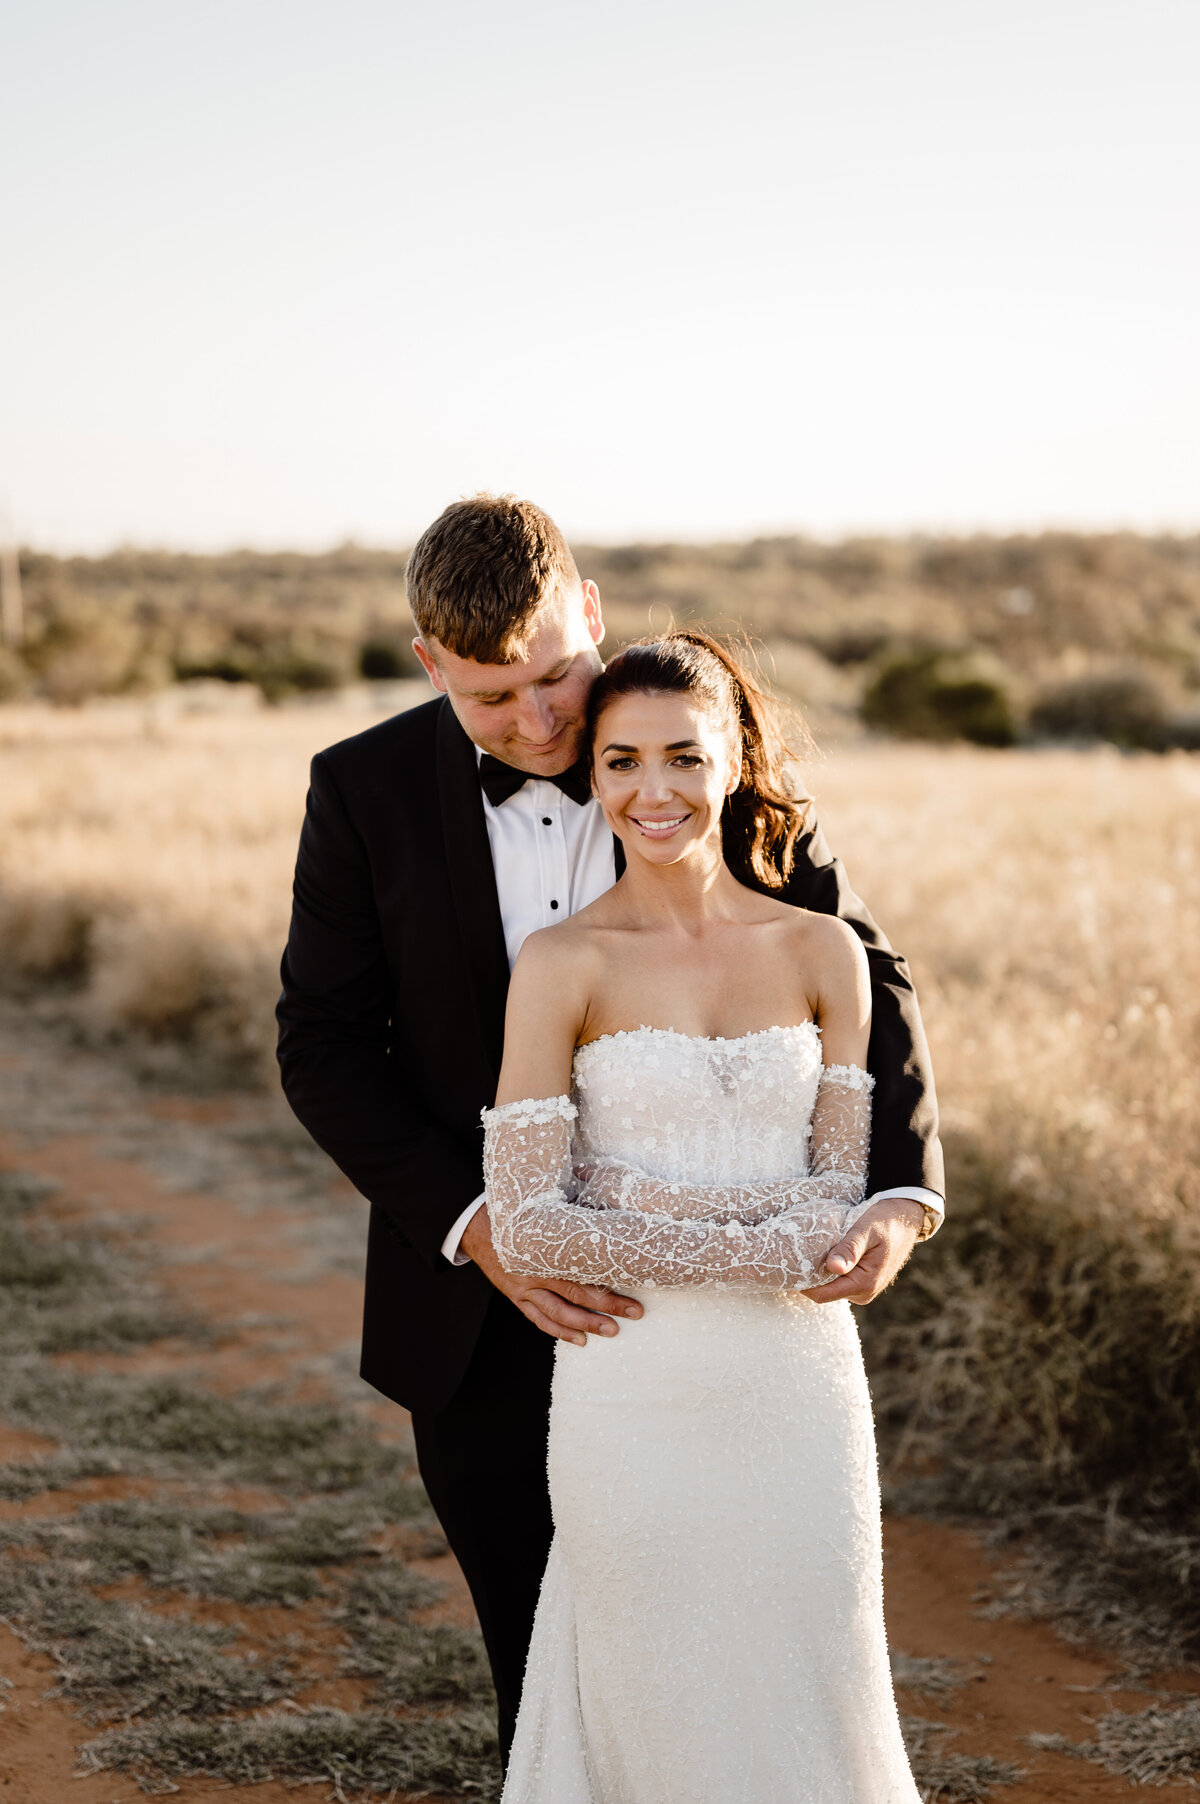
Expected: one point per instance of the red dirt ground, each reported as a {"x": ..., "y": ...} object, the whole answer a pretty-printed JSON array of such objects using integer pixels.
[{"x": 240, "y": 1263}]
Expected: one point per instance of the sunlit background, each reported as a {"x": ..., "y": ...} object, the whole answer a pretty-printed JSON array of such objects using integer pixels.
[
  {"x": 868, "y": 327},
  {"x": 290, "y": 274}
]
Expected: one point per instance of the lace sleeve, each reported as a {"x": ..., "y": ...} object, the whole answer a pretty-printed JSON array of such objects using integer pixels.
[{"x": 621, "y": 1227}]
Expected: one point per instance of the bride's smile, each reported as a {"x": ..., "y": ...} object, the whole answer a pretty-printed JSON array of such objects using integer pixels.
[{"x": 663, "y": 767}]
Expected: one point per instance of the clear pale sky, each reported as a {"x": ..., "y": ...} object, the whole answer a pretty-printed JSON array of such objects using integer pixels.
[{"x": 285, "y": 274}]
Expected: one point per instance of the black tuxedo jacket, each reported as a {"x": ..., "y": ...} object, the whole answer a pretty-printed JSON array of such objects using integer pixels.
[{"x": 392, "y": 1025}]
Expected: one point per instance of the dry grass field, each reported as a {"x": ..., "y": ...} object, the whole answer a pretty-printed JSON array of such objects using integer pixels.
[
  {"x": 1036, "y": 1370},
  {"x": 1049, "y": 902}
]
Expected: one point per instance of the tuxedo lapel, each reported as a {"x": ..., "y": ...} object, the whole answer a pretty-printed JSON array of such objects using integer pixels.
[{"x": 472, "y": 881}]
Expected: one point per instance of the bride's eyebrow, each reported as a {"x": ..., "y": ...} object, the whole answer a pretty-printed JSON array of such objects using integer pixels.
[{"x": 677, "y": 745}]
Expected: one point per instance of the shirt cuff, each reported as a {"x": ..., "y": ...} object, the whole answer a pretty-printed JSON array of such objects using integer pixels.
[
  {"x": 930, "y": 1201},
  {"x": 450, "y": 1246}
]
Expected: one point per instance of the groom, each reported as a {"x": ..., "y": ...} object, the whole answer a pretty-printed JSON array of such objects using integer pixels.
[{"x": 433, "y": 845}]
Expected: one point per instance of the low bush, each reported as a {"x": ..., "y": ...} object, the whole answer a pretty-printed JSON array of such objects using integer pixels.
[
  {"x": 940, "y": 696},
  {"x": 1038, "y": 1366},
  {"x": 1054, "y": 1343},
  {"x": 386, "y": 660},
  {"x": 280, "y": 667},
  {"x": 1127, "y": 708}
]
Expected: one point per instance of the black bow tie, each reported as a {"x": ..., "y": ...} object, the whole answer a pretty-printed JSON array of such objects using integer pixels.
[{"x": 501, "y": 780}]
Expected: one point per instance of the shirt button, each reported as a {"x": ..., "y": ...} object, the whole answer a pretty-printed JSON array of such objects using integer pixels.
[
  {"x": 546, "y": 821},
  {"x": 554, "y": 905}
]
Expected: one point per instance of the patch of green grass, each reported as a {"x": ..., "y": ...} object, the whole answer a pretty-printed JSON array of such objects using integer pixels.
[
  {"x": 945, "y": 1777},
  {"x": 364, "y": 1752},
  {"x": 118, "y": 1660},
  {"x": 164, "y": 1426},
  {"x": 409, "y": 1662},
  {"x": 1105, "y": 1580},
  {"x": 1148, "y": 1747},
  {"x": 929, "y": 1677},
  {"x": 270, "y": 1557},
  {"x": 179, "y": 1686},
  {"x": 20, "y": 1481},
  {"x": 73, "y": 1291}
]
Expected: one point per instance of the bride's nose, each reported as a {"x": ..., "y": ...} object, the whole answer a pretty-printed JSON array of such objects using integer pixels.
[{"x": 655, "y": 785}]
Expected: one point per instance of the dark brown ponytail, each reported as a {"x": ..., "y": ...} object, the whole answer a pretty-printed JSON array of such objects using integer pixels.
[{"x": 762, "y": 818}]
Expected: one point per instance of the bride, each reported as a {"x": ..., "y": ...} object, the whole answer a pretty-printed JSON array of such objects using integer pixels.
[{"x": 684, "y": 1115}]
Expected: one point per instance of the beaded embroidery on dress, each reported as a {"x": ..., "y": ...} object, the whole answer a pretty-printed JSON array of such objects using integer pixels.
[{"x": 710, "y": 1627}]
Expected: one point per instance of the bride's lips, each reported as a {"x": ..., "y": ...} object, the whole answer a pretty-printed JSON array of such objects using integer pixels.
[{"x": 659, "y": 829}]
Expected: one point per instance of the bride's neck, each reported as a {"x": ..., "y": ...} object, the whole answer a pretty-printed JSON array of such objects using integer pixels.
[{"x": 689, "y": 895}]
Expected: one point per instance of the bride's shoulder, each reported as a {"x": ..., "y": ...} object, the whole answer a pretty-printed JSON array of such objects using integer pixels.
[
  {"x": 826, "y": 940},
  {"x": 569, "y": 946},
  {"x": 548, "y": 994}
]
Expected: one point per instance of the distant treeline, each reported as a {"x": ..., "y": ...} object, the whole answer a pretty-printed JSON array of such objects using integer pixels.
[{"x": 986, "y": 638}]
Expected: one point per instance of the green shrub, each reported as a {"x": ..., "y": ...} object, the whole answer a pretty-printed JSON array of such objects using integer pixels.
[
  {"x": 1126, "y": 707},
  {"x": 941, "y": 696},
  {"x": 382, "y": 660},
  {"x": 1182, "y": 733},
  {"x": 280, "y": 666},
  {"x": 852, "y": 644}
]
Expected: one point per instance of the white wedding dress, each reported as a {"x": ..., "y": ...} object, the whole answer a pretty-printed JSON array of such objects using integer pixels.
[{"x": 710, "y": 1627}]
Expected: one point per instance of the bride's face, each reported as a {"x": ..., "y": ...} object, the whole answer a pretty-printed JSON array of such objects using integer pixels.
[{"x": 662, "y": 767}]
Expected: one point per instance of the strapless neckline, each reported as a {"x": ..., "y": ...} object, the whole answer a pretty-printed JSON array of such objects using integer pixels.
[{"x": 673, "y": 1033}]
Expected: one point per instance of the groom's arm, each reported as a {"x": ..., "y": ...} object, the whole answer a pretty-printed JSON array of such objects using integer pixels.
[
  {"x": 335, "y": 1038},
  {"x": 906, "y": 1169},
  {"x": 905, "y": 1150}
]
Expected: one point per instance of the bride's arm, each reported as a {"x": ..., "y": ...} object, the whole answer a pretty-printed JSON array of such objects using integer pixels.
[
  {"x": 543, "y": 1226},
  {"x": 546, "y": 1013}
]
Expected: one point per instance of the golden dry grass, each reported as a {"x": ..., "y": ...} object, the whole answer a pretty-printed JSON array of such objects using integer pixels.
[
  {"x": 1043, "y": 1351},
  {"x": 1040, "y": 1361},
  {"x": 145, "y": 868},
  {"x": 1048, "y": 901}
]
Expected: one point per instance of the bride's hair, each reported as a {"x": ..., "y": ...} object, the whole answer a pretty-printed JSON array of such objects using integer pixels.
[{"x": 763, "y": 816}]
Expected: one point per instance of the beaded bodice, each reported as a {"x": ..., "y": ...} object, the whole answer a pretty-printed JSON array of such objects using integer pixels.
[{"x": 714, "y": 1111}]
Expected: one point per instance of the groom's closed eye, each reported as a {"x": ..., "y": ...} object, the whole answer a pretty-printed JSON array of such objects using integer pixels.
[{"x": 492, "y": 698}]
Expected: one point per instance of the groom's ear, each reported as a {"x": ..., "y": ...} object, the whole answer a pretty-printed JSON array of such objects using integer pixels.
[
  {"x": 592, "y": 612},
  {"x": 429, "y": 665}
]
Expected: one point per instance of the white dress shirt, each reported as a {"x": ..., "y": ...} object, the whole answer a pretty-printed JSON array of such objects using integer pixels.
[{"x": 553, "y": 856}]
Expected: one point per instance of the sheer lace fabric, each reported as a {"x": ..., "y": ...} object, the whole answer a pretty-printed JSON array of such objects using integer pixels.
[
  {"x": 710, "y": 1628},
  {"x": 562, "y": 1205}
]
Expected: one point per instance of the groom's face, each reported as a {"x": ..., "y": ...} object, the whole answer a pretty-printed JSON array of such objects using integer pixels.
[{"x": 529, "y": 713}]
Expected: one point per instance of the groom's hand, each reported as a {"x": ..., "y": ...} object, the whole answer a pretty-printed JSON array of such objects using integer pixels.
[
  {"x": 872, "y": 1253},
  {"x": 558, "y": 1307}
]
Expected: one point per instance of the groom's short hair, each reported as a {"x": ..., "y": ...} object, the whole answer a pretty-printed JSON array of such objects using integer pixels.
[{"x": 478, "y": 575}]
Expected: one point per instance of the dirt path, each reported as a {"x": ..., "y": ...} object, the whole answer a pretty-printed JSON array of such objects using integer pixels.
[{"x": 261, "y": 1238}]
